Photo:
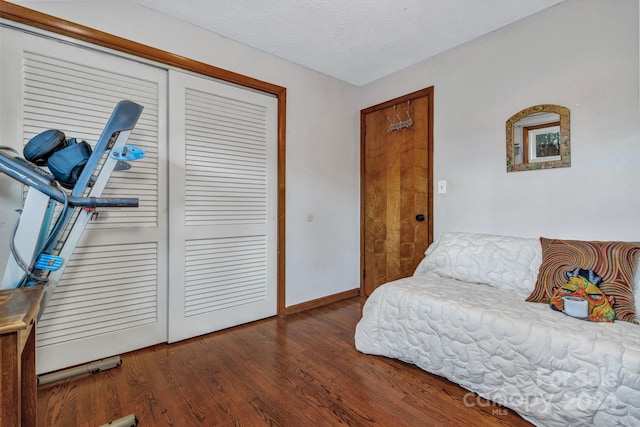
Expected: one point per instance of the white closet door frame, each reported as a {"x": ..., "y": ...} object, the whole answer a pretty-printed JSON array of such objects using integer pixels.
[
  {"x": 120, "y": 241},
  {"x": 223, "y": 213}
]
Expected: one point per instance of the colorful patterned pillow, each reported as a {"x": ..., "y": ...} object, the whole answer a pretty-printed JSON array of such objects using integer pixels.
[{"x": 614, "y": 262}]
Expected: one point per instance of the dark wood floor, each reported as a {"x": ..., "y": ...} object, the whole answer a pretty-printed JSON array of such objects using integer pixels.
[{"x": 302, "y": 370}]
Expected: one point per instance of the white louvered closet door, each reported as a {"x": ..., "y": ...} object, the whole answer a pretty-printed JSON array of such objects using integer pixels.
[
  {"x": 223, "y": 192},
  {"x": 112, "y": 295}
]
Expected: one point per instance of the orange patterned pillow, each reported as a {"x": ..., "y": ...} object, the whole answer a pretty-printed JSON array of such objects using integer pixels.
[{"x": 614, "y": 262}]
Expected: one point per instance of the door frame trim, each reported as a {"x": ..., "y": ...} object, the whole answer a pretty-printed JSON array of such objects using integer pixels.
[
  {"x": 428, "y": 93},
  {"x": 66, "y": 28}
]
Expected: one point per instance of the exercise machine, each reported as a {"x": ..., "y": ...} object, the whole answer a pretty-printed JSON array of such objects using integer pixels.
[{"x": 59, "y": 204}]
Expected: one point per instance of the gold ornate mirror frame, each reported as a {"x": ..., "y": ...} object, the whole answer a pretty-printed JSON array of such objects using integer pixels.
[{"x": 516, "y": 157}]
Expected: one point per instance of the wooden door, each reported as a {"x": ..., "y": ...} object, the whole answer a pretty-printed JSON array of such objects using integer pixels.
[{"x": 397, "y": 190}]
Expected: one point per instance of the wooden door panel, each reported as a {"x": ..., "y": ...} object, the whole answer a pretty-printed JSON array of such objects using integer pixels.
[{"x": 396, "y": 188}]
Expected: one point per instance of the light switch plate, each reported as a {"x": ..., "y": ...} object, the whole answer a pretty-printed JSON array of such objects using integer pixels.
[{"x": 442, "y": 187}]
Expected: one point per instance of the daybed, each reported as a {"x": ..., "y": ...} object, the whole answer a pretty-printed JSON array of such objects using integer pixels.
[{"x": 463, "y": 316}]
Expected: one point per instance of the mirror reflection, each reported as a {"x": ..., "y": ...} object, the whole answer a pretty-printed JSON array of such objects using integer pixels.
[{"x": 538, "y": 138}]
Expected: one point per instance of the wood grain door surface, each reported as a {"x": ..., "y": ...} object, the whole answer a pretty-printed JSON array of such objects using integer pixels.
[{"x": 396, "y": 188}]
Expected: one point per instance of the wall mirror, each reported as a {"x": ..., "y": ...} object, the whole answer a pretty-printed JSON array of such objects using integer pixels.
[{"x": 538, "y": 138}]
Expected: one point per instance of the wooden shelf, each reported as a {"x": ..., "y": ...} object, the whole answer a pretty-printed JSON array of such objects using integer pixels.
[{"x": 18, "y": 383}]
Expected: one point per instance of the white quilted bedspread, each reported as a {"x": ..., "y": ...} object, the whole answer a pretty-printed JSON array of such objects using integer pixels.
[{"x": 552, "y": 369}]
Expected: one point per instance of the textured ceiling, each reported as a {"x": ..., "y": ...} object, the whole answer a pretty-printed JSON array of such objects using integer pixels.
[{"x": 357, "y": 41}]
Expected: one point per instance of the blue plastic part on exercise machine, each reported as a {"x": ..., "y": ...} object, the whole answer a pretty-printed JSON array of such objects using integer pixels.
[
  {"x": 127, "y": 152},
  {"x": 48, "y": 262}
]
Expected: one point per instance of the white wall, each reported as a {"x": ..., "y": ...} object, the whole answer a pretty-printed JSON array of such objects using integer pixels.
[
  {"x": 322, "y": 214},
  {"x": 582, "y": 54}
]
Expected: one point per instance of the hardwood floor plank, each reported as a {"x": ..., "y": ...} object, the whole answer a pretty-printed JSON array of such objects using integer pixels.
[{"x": 301, "y": 370}]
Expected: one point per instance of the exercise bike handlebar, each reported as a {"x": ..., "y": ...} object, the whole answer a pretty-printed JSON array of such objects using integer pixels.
[
  {"x": 103, "y": 202},
  {"x": 42, "y": 181}
]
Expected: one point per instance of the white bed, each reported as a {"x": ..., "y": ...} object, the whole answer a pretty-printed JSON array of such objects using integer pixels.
[{"x": 554, "y": 370}]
